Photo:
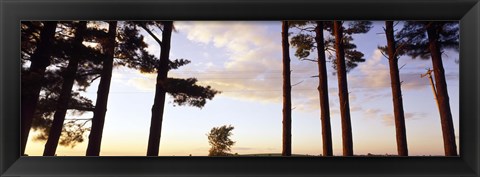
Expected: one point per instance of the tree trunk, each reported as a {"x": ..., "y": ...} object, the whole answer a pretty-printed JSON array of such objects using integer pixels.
[
  {"x": 323, "y": 91},
  {"x": 343, "y": 90},
  {"x": 33, "y": 80},
  {"x": 159, "y": 101},
  {"x": 287, "y": 88},
  {"x": 396, "y": 91},
  {"x": 65, "y": 94},
  {"x": 441, "y": 87},
  {"x": 95, "y": 137}
]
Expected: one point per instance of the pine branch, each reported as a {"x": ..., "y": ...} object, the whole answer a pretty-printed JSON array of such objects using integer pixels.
[
  {"x": 384, "y": 55},
  {"x": 95, "y": 78},
  {"x": 151, "y": 34},
  {"x": 79, "y": 108},
  {"x": 88, "y": 74},
  {"x": 312, "y": 60}
]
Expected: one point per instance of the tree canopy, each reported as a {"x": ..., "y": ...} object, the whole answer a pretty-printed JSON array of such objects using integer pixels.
[{"x": 219, "y": 139}]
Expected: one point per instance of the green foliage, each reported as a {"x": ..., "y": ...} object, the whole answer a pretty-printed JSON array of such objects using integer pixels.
[
  {"x": 220, "y": 142},
  {"x": 413, "y": 37},
  {"x": 304, "y": 43},
  {"x": 304, "y": 40},
  {"x": 187, "y": 92}
]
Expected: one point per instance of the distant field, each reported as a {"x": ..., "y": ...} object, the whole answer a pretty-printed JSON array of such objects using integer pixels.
[
  {"x": 308, "y": 155},
  {"x": 275, "y": 154}
]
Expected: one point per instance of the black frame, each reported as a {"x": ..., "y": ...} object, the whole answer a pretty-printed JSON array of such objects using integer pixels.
[{"x": 13, "y": 11}]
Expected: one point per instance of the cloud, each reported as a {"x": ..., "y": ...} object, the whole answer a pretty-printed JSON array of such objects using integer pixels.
[
  {"x": 252, "y": 70},
  {"x": 389, "y": 120},
  {"x": 142, "y": 81},
  {"x": 371, "y": 113},
  {"x": 374, "y": 74}
]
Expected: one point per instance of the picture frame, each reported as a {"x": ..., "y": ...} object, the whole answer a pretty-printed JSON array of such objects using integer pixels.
[{"x": 13, "y": 11}]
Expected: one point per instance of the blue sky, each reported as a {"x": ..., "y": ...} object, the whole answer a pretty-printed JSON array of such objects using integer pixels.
[{"x": 243, "y": 60}]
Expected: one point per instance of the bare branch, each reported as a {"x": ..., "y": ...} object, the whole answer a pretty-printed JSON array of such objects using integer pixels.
[{"x": 297, "y": 83}]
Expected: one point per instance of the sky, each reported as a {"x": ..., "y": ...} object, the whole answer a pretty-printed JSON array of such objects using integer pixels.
[{"x": 243, "y": 60}]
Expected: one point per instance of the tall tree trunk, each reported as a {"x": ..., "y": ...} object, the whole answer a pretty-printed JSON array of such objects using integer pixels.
[
  {"x": 343, "y": 90},
  {"x": 396, "y": 91},
  {"x": 95, "y": 137},
  {"x": 441, "y": 87},
  {"x": 33, "y": 79},
  {"x": 65, "y": 94},
  {"x": 323, "y": 91},
  {"x": 159, "y": 101},
  {"x": 287, "y": 88}
]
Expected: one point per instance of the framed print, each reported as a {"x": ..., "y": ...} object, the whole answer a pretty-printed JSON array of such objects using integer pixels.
[{"x": 155, "y": 88}]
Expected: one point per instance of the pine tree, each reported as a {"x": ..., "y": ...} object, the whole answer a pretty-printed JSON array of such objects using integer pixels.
[
  {"x": 95, "y": 137},
  {"x": 32, "y": 79},
  {"x": 287, "y": 89},
  {"x": 305, "y": 42},
  {"x": 354, "y": 56},
  {"x": 393, "y": 51},
  {"x": 428, "y": 39},
  {"x": 65, "y": 95},
  {"x": 73, "y": 129},
  {"x": 184, "y": 91}
]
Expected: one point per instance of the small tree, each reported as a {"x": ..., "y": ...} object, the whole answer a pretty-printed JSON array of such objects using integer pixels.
[{"x": 220, "y": 141}]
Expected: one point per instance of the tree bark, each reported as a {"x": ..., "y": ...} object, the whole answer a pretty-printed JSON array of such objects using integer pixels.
[
  {"x": 441, "y": 87},
  {"x": 65, "y": 94},
  {"x": 402, "y": 148},
  {"x": 159, "y": 100},
  {"x": 343, "y": 90},
  {"x": 323, "y": 91},
  {"x": 287, "y": 88},
  {"x": 98, "y": 121},
  {"x": 33, "y": 79}
]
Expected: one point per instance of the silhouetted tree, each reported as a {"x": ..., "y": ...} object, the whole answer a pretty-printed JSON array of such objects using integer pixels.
[
  {"x": 64, "y": 98},
  {"x": 304, "y": 44},
  {"x": 73, "y": 129},
  {"x": 129, "y": 48},
  {"x": 428, "y": 39},
  {"x": 95, "y": 137},
  {"x": 219, "y": 139},
  {"x": 355, "y": 56},
  {"x": 393, "y": 51},
  {"x": 32, "y": 79},
  {"x": 191, "y": 94},
  {"x": 287, "y": 89}
]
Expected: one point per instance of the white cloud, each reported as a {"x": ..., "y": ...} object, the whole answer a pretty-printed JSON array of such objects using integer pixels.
[
  {"x": 253, "y": 68},
  {"x": 373, "y": 73}
]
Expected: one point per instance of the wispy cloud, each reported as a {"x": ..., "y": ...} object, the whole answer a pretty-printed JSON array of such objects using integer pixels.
[{"x": 389, "y": 120}]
